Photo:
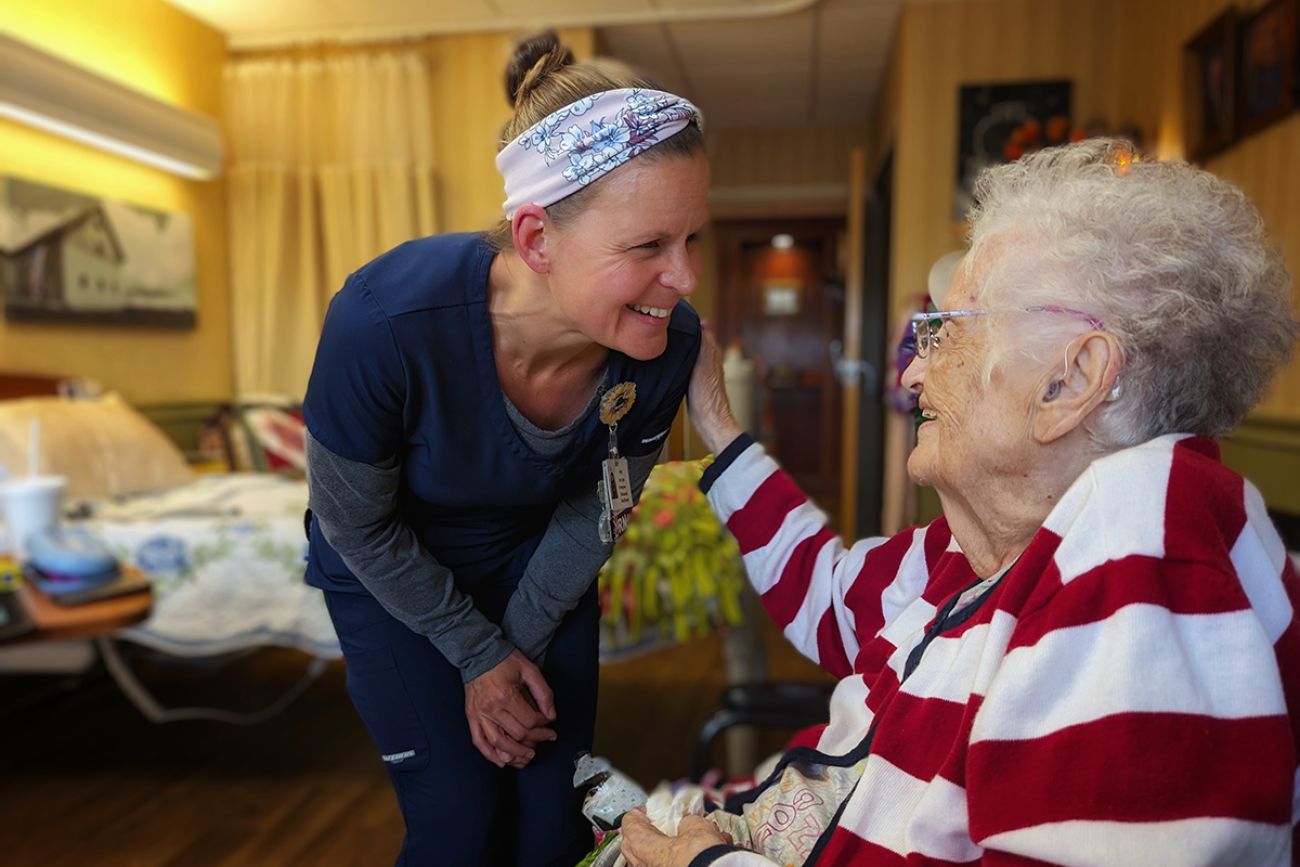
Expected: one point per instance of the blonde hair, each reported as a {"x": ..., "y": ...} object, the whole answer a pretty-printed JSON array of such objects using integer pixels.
[{"x": 543, "y": 77}]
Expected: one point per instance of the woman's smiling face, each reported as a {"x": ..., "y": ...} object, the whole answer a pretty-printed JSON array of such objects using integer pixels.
[
  {"x": 620, "y": 265},
  {"x": 970, "y": 430}
]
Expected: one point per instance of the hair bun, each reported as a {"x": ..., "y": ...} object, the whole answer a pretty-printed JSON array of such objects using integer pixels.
[{"x": 535, "y": 58}]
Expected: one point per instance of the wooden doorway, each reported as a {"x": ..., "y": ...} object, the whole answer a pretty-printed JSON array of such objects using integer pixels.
[
  {"x": 874, "y": 342},
  {"x": 781, "y": 293}
]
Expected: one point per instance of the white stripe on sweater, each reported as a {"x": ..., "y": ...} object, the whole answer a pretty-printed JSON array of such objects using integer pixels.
[
  {"x": 1259, "y": 561},
  {"x": 749, "y": 470},
  {"x": 883, "y": 804},
  {"x": 1125, "y": 664},
  {"x": 905, "y": 632},
  {"x": 909, "y": 583},
  {"x": 906, "y": 612},
  {"x": 954, "y": 669},
  {"x": 1185, "y": 842},
  {"x": 1109, "y": 511},
  {"x": 765, "y": 564},
  {"x": 845, "y": 617},
  {"x": 823, "y": 589},
  {"x": 894, "y": 809},
  {"x": 939, "y": 828},
  {"x": 850, "y": 718}
]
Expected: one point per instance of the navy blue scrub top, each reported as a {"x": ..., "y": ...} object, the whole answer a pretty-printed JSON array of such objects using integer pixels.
[{"x": 405, "y": 368}]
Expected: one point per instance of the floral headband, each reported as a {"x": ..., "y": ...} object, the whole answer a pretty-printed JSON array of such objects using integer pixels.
[{"x": 574, "y": 146}]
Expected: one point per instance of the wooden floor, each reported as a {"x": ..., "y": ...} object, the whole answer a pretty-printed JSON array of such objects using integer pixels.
[{"x": 85, "y": 780}]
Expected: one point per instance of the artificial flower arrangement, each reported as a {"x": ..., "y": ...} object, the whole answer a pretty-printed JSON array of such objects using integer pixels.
[{"x": 676, "y": 572}]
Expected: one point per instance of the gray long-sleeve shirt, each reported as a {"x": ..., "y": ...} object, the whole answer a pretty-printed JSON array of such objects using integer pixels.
[{"x": 355, "y": 505}]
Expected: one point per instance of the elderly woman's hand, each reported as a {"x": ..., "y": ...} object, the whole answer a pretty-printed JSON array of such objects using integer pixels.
[
  {"x": 710, "y": 411},
  {"x": 644, "y": 845}
]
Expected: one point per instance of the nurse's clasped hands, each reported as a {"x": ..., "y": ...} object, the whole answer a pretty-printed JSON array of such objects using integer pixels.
[{"x": 508, "y": 708}]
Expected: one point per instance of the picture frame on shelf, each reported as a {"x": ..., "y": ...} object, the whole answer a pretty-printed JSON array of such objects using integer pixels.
[{"x": 1210, "y": 89}]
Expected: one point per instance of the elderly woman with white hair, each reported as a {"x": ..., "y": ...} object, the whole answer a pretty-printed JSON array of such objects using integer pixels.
[{"x": 1093, "y": 657}]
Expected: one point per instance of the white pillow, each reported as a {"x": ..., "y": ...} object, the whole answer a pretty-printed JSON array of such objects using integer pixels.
[{"x": 103, "y": 446}]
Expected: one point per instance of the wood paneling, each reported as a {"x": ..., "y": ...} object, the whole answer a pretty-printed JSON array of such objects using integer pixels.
[{"x": 782, "y": 157}]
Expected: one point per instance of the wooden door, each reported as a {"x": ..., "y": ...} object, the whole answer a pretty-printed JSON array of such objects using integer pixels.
[{"x": 786, "y": 306}]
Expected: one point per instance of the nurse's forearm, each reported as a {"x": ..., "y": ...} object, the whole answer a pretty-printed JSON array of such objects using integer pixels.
[
  {"x": 355, "y": 505},
  {"x": 563, "y": 566}
]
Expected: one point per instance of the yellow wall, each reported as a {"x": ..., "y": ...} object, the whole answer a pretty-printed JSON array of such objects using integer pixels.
[
  {"x": 151, "y": 46},
  {"x": 469, "y": 109},
  {"x": 791, "y": 157}
]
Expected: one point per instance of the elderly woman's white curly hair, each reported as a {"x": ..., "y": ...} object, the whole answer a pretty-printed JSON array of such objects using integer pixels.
[{"x": 1174, "y": 261}]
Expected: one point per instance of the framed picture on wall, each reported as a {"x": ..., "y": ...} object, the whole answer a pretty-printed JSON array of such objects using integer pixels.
[
  {"x": 1267, "y": 65},
  {"x": 998, "y": 123},
  {"x": 69, "y": 257},
  {"x": 1210, "y": 91}
]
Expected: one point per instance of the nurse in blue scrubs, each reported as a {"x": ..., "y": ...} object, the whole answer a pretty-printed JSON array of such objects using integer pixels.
[{"x": 482, "y": 411}]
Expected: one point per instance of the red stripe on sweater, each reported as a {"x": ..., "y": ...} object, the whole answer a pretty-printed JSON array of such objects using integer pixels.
[
  {"x": 917, "y": 734},
  {"x": 830, "y": 646},
  {"x": 954, "y": 767},
  {"x": 937, "y": 537},
  {"x": 882, "y": 689},
  {"x": 782, "y": 600},
  {"x": 1287, "y": 649},
  {"x": 1007, "y": 859},
  {"x": 1204, "y": 506},
  {"x": 755, "y": 523},
  {"x": 879, "y": 569},
  {"x": 1146, "y": 767},
  {"x": 844, "y": 847},
  {"x": 1182, "y": 588},
  {"x": 1019, "y": 596}
]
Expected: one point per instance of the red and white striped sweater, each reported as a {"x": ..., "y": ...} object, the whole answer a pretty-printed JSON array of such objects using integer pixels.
[{"x": 1129, "y": 693}]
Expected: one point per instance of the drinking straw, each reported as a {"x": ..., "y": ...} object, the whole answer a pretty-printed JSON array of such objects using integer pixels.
[{"x": 34, "y": 448}]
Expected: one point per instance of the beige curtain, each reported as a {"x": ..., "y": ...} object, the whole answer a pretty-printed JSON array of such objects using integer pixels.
[{"x": 331, "y": 164}]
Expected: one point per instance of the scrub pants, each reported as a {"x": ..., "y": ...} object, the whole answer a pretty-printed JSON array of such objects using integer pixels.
[{"x": 459, "y": 808}]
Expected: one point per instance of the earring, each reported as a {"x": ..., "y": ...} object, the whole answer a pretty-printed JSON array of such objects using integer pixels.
[
  {"x": 1053, "y": 391},
  {"x": 1115, "y": 392}
]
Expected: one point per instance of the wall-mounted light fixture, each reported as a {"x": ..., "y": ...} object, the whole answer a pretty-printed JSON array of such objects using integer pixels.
[
  {"x": 783, "y": 241},
  {"x": 48, "y": 93}
]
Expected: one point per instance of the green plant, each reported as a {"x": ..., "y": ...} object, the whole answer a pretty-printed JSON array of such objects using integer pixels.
[{"x": 676, "y": 572}]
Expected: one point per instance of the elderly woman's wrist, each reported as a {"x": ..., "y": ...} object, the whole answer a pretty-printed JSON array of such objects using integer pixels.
[{"x": 721, "y": 434}]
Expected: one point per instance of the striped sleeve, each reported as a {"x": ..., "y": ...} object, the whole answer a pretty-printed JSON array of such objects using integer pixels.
[
  {"x": 828, "y": 601},
  {"x": 1140, "y": 711}
]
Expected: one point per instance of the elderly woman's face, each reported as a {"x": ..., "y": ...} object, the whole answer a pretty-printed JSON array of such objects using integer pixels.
[
  {"x": 972, "y": 431},
  {"x": 620, "y": 267}
]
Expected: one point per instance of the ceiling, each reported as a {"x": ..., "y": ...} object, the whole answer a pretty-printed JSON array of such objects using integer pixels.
[{"x": 747, "y": 63}]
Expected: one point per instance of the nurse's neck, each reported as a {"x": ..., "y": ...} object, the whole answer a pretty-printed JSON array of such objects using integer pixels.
[{"x": 531, "y": 338}]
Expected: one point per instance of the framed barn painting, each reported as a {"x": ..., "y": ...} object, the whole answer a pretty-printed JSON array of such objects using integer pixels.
[{"x": 69, "y": 257}]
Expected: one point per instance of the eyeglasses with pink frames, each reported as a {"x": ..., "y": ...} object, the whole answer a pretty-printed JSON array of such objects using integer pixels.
[{"x": 926, "y": 326}]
